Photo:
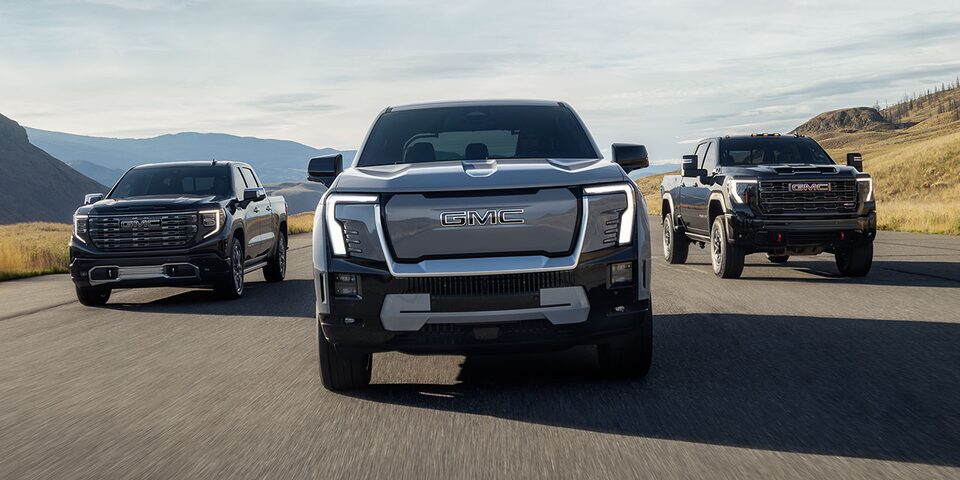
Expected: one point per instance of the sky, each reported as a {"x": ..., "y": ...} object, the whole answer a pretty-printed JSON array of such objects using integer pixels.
[{"x": 660, "y": 73}]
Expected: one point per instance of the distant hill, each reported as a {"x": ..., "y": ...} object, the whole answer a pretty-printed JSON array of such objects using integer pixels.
[
  {"x": 35, "y": 186},
  {"x": 275, "y": 160},
  {"x": 911, "y": 148},
  {"x": 301, "y": 196},
  {"x": 104, "y": 175}
]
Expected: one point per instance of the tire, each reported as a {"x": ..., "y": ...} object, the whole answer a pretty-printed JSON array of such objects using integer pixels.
[
  {"x": 727, "y": 259},
  {"x": 276, "y": 268},
  {"x": 778, "y": 258},
  {"x": 676, "y": 247},
  {"x": 631, "y": 356},
  {"x": 231, "y": 286},
  {"x": 855, "y": 261},
  {"x": 341, "y": 370},
  {"x": 93, "y": 296}
]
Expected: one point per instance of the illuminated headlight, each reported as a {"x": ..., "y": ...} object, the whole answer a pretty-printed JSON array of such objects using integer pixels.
[
  {"x": 80, "y": 227},
  {"x": 211, "y": 221},
  {"x": 866, "y": 186},
  {"x": 740, "y": 189},
  {"x": 628, "y": 215},
  {"x": 334, "y": 228}
]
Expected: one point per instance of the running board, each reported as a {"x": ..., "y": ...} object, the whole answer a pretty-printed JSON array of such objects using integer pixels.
[{"x": 254, "y": 267}]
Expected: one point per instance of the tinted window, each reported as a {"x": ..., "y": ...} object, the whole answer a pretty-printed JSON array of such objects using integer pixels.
[
  {"x": 772, "y": 151},
  {"x": 709, "y": 160},
  {"x": 238, "y": 183},
  {"x": 174, "y": 181},
  {"x": 248, "y": 178},
  {"x": 456, "y": 133}
]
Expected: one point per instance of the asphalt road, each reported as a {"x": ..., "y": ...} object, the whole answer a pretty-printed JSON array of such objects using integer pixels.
[{"x": 788, "y": 372}]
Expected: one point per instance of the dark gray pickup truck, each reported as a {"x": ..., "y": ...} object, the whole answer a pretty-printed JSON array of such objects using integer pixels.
[
  {"x": 480, "y": 227},
  {"x": 197, "y": 224},
  {"x": 773, "y": 194}
]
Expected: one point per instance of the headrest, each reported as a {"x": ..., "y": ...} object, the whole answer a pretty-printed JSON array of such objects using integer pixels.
[
  {"x": 420, "y": 152},
  {"x": 476, "y": 151}
]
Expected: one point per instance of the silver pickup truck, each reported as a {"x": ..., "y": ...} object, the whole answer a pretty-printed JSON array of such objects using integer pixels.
[{"x": 480, "y": 227}]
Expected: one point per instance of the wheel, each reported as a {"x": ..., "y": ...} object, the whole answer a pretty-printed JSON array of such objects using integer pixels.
[
  {"x": 231, "y": 285},
  {"x": 629, "y": 357},
  {"x": 276, "y": 267},
  {"x": 855, "y": 261},
  {"x": 676, "y": 247},
  {"x": 341, "y": 370},
  {"x": 778, "y": 258},
  {"x": 93, "y": 296},
  {"x": 727, "y": 259}
]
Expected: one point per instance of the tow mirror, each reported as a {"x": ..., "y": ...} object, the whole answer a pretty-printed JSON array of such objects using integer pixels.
[
  {"x": 630, "y": 157},
  {"x": 688, "y": 167},
  {"x": 855, "y": 160},
  {"x": 92, "y": 198},
  {"x": 253, "y": 194},
  {"x": 325, "y": 169}
]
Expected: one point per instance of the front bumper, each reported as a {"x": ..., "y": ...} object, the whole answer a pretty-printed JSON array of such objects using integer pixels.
[
  {"x": 496, "y": 313},
  {"x": 201, "y": 265},
  {"x": 800, "y": 234}
]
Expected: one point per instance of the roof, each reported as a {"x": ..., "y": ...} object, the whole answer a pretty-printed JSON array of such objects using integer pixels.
[
  {"x": 475, "y": 103},
  {"x": 195, "y": 163}
]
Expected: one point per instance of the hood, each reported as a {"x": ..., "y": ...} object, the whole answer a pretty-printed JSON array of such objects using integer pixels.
[
  {"x": 148, "y": 205},
  {"x": 469, "y": 175},
  {"x": 788, "y": 171}
]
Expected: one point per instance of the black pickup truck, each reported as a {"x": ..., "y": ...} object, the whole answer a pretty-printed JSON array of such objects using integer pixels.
[
  {"x": 195, "y": 224},
  {"x": 773, "y": 194}
]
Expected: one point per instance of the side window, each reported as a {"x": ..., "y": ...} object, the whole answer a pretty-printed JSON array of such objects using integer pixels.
[
  {"x": 250, "y": 177},
  {"x": 699, "y": 152},
  {"x": 238, "y": 183},
  {"x": 710, "y": 158}
]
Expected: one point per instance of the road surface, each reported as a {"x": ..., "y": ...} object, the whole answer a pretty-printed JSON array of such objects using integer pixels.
[{"x": 788, "y": 372}]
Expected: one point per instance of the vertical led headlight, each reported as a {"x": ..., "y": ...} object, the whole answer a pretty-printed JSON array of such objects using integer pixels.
[
  {"x": 334, "y": 227},
  {"x": 627, "y": 217},
  {"x": 80, "y": 227},
  {"x": 866, "y": 184},
  {"x": 211, "y": 221},
  {"x": 740, "y": 189}
]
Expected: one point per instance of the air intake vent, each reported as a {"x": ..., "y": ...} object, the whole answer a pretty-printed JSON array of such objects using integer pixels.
[{"x": 511, "y": 284}]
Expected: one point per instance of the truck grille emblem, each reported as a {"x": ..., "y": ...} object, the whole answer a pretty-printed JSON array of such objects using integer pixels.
[
  {"x": 809, "y": 187},
  {"x": 139, "y": 224},
  {"x": 463, "y": 218}
]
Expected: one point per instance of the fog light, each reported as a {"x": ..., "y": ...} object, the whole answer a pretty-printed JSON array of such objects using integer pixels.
[
  {"x": 621, "y": 273},
  {"x": 346, "y": 285}
]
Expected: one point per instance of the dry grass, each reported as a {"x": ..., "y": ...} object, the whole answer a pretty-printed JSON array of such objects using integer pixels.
[
  {"x": 300, "y": 223},
  {"x": 28, "y": 249}
]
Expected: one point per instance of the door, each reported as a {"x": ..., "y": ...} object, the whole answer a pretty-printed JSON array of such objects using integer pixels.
[
  {"x": 252, "y": 217},
  {"x": 266, "y": 229},
  {"x": 694, "y": 195}
]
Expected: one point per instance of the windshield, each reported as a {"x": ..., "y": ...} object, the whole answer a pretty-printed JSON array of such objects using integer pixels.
[
  {"x": 174, "y": 181},
  {"x": 772, "y": 151},
  {"x": 475, "y": 133}
]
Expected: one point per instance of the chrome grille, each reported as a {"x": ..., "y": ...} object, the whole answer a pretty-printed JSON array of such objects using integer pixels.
[
  {"x": 130, "y": 232},
  {"x": 509, "y": 284},
  {"x": 776, "y": 197}
]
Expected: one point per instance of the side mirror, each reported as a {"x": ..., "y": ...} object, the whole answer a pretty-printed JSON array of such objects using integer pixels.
[
  {"x": 630, "y": 157},
  {"x": 688, "y": 167},
  {"x": 92, "y": 198},
  {"x": 325, "y": 169},
  {"x": 855, "y": 160},
  {"x": 253, "y": 194}
]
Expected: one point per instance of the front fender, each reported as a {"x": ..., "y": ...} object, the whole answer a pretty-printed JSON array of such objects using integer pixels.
[
  {"x": 642, "y": 237},
  {"x": 320, "y": 259}
]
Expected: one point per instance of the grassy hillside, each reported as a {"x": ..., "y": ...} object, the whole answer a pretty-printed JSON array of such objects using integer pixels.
[
  {"x": 912, "y": 149},
  {"x": 28, "y": 249}
]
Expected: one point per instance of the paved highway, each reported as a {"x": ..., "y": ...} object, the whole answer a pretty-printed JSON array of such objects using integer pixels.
[{"x": 788, "y": 372}]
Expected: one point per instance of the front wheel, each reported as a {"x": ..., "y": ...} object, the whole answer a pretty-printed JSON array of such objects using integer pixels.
[
  {"x": 276, "y": 267},
  {"x": 676, "y": 246},
  {"x": 631, "y": 356},
  {"x": 93, "y": 296},
  {"x": 340, "y": 370},
  {"x": 727, "y": 259},
  {"x": 855, "y": 261},
  {"x": 231, "y": 286}
]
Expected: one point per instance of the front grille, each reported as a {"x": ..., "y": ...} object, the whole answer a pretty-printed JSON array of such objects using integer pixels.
[
  {"x": 776, "y": 197},
  {"x": 509, "y": 284},
  {"x": 130, "y": 232}
]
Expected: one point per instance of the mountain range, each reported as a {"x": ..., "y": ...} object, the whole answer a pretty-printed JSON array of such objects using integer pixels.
[
  {"x": 105, "y": 159},
  {"x": 34, "y": 185}
]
